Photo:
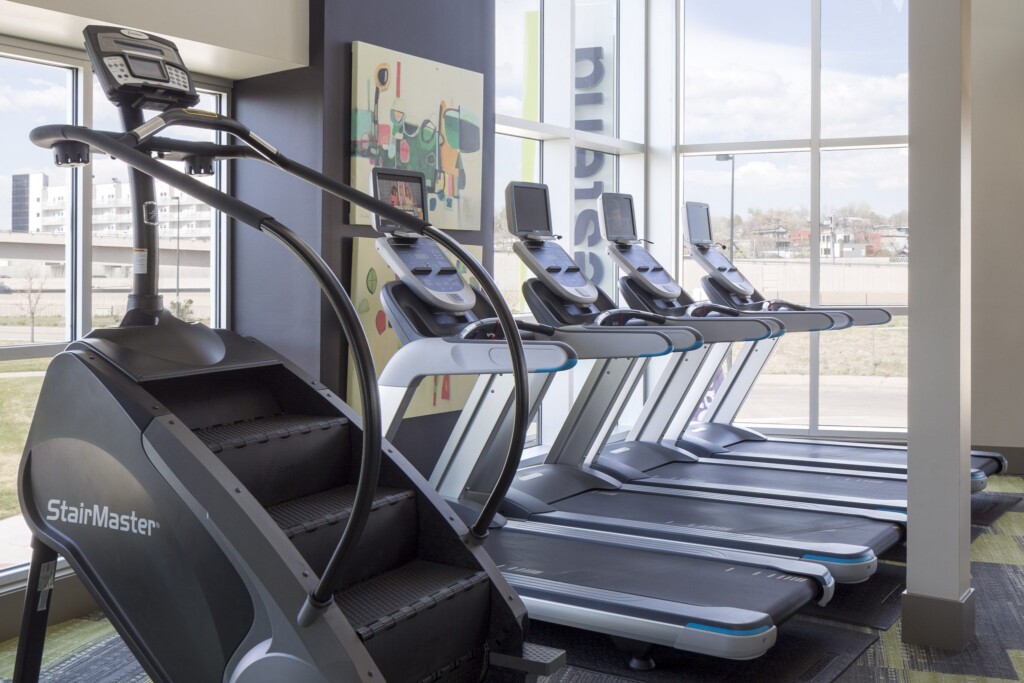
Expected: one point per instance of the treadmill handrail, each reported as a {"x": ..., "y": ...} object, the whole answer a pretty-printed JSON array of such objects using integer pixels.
[
  {"x": 592, "y": 343},
  {"x": 453, "y": 356}
]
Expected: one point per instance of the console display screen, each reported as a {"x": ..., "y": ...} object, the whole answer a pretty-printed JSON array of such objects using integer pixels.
[
  {"x": 619, "y": 220},
  {"x": 404, "y": 192},
  {"x": 146, "y": 68},
  {"x": 531, "y": 210},
  {"x": 698, "y": 221}
]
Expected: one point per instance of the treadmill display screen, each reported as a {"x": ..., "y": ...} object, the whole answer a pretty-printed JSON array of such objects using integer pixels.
[
  {"x": 698, "y": 221},
  {"x": 404, "y": 192},
  {"x": 146, "y": 68},
  {"x": 532, "y": 212},
  {"x": 619, "y": 219}
]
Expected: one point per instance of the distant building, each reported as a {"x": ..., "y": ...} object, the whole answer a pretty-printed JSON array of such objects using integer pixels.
[
  {"x": 36, "y": 206},
  {"x": 27, "y": 191},
  {"x": 772, "y": 242}
]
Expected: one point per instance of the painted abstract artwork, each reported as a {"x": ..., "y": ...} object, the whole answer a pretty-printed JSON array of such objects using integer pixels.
[
  {"x": 437, "y": 393},
  {"x": 416, "y": 114}
]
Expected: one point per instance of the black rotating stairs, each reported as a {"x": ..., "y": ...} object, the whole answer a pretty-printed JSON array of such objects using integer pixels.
[{"x": 421, "y": 604}]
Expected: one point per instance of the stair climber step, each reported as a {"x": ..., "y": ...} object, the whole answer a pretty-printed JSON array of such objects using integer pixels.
[
  {"x": 314, "y": 524},
  {"x": 435, "y": 614},
  {"x": 283, "y": 457}
]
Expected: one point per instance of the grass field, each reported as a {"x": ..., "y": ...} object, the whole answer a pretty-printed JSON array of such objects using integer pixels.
[
  {"x": 864, "y": 352},
  {"x": 17, "y": 402}
]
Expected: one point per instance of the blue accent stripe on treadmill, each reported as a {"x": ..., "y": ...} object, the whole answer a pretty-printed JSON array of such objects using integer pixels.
[
  {"x": 728, "y": 631},
  {"x": 838, "y": 560},
  {"x": 902, "y": 511},
  {"x": 567, "y": 365}
]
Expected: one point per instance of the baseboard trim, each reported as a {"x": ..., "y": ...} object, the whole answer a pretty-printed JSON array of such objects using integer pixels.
[
  {"x": 938, "y": 622},
  {"x": 70, "y": 600},
  {"x": 1014, "y": 457}
]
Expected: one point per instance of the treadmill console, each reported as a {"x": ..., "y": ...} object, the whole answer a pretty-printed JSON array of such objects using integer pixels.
[
  {"x": 720, "y": 269},
  {"x": 419, "y": 262},
  {"x": 138, "y": 70},
  {"x": 529, "y": 218},
  {"x": 618, "y": 223}
]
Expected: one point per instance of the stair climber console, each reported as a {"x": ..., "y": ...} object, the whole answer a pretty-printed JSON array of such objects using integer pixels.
[{"x": 235, "y": 519}]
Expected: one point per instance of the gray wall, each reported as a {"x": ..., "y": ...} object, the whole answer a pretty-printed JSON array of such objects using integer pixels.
[
  {"x": 305, "y": 113},
  {"x": 997, "y": 205}
]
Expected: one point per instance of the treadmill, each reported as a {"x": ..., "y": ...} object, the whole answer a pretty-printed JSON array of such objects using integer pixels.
[
  {"x": 720, "y": 602},
  {"x": 566, "y": 495},
  {"x": 727, "y": 286},
  {"x": 556, "y": 297}
]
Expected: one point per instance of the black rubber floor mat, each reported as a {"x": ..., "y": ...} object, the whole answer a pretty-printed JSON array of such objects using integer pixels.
[
  {"x": 807, "y": 651},
  {"x": 572, "y": 674},
  {"x": 999, "y": 629},
  {"x": 106, "y": 661},
  {"x": 874, "y": 603},
  {"x": 987, "y": 508}
]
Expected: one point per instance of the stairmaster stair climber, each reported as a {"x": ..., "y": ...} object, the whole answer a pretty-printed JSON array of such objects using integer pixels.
[{"x": 233, "y": 517}]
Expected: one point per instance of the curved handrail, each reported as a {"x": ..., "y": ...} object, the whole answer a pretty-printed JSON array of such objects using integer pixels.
[{"x": 320, "y": 598}]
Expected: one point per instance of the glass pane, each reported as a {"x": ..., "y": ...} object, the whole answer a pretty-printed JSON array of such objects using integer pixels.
[
  {"x": 186, "y": 230},
  {"x": 20, "y": 381},
  {"x": 35, "y": 205},
  {"x": 595, "y": 174},
  {"x": 597, "y": 67},
  {"x": 864, "y": 377},
  {"x": 517, "y": 58},
  {"x": 865, "y": 228},
  {"x": 770, "y": 223},
  {"x": 514, "y": 159},
  {"x": 781, "y": 395},
  {"x": 864, "y": 67},
  {"x": 746, "y": 70}
]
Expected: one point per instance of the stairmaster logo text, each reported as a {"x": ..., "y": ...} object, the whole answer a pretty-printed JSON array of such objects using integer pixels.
[{"x": 100, "y": 516}]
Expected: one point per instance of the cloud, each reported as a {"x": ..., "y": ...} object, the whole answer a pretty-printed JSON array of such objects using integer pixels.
[
  {"x": 36, "y": 94},
  {"x": 740, "y": 90},
  {"x": 513, "y": 106},
  {"x": 858, "y": 105}
]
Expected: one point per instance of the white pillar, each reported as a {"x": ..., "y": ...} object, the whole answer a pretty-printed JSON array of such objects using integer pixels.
[{"x": 938, "y": 607}]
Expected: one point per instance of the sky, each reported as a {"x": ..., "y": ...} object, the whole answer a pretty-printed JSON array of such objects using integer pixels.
[
  {"x": 747, "y": 73},
  {"x": 36, "y": 94}
]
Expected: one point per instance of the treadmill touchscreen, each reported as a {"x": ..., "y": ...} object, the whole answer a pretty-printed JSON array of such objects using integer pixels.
[
  {"x": 531, "y": 213},
  {"x": 619, "y": 219},
  {"x": 402, "y": 191},
  {"x": 698, "y": 221}
]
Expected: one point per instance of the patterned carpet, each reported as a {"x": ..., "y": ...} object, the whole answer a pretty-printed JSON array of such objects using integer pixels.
[{"x": 997, "y": 653}]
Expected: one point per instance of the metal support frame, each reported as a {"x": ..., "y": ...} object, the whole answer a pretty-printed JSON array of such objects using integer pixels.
[{"x": 595, "y": 411}]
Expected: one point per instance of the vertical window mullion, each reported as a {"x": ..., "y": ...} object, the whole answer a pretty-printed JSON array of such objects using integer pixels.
[
  {"x": 814, "y": 389},
  {"x": 83, "y": 222}
]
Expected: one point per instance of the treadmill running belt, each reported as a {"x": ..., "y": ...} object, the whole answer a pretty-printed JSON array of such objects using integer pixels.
[
  {"x": 809, "y": 483},
  {"x": 813, "y": 451},
  {"x": 769, "y": 522},
  {"x": 686, "y": 580}
]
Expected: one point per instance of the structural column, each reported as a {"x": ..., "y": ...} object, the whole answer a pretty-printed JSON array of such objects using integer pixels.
[{"x": 938, "y": 607}]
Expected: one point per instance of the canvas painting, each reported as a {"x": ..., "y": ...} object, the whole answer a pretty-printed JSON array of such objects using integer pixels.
[
  {"x": 415, "y": 114},
  {"x": 436, "y": 394}
]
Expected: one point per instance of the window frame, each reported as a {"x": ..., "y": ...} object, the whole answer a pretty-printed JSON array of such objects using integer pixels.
[
  {"x": 78, "y": 254},
  {"x": 78, "y": 248},
  {"x": 814, "y": 145}
]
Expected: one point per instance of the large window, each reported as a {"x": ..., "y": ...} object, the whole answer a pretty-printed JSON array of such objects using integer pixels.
[
  {"x": 567, "y": 117},
  {"x": 794, "y": 129},
  {"x": 65, "y": 245}
]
